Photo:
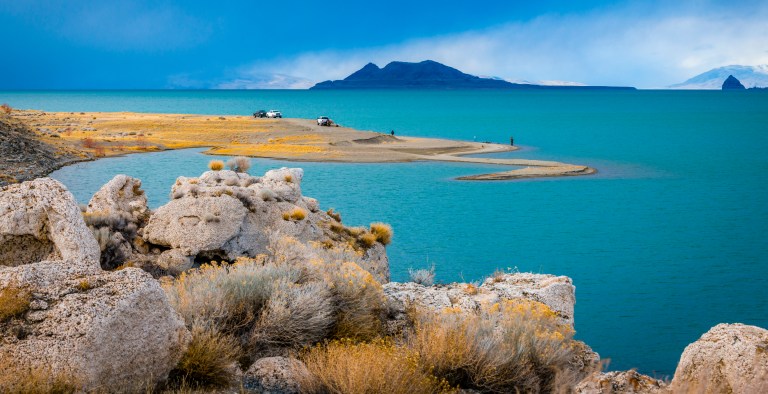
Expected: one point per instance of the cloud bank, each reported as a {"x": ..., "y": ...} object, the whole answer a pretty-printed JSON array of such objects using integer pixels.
[{"x": 647, "y": 46}]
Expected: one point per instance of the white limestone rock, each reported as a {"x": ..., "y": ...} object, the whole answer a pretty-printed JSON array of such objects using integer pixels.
[
  {"x": 729, "y": 358},
  {"x": 620, "y": 382},
  {"x": 109, "y": 330},
  {"x": 40, "y": 220}
]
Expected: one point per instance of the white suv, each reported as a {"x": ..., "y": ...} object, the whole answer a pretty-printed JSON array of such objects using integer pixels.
[
  {"x": 323, "y": 121},
  {"x": 273, "y": 113}
]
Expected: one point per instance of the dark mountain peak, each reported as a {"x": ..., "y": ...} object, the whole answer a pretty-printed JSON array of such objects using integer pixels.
[
  {"x": 367, "y": 72},
  {"x": 731, "y": 83},
  {"x": 427, "y": 74}
]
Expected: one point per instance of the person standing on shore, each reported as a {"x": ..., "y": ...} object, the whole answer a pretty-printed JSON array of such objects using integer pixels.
[{"x": 512, "y": 141}]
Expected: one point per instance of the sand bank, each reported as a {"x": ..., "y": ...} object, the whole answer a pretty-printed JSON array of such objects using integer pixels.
[{"x": 105, "y": 134}]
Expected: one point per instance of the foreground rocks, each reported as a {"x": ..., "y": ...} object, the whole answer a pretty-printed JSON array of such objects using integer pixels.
[
  {"x": 729, "y": 358},
  {"x": 112, "y": 330},
  {"x": 620, "y": 382},
  {"x": 276, "y": 375}
]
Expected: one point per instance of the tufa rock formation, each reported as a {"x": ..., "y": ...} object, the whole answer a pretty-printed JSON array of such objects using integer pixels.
[
  {"x": 112, "y": 330},
  {"x": 731, "y": 83},
  {"x": 729, "y": 358},
  {"x": 620, "y": 382},
  {"x": 279, "y": 375},
  {"x": 223, "y": 215}
]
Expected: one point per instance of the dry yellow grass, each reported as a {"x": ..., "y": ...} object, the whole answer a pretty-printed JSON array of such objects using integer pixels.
[
  {"x": 295, "y": 214},
  {"x": 216, "y": 165},
  {"x": 345, "y": 367},
  {"x": 367, "y": 240},
  {"x": 511, "y": 346},
  {"x": 17, "y": 379},
  {"x": 209, "y": 361},
  {"x": 267, "y": 150},
  {"x": 14, "y": 300},
  {"x": 383, "y": 232}
]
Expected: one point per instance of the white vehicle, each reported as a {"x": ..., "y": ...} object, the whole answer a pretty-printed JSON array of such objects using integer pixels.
[
  {"x": 323, "y": 121},
  {"x": 273, "y": 113}
]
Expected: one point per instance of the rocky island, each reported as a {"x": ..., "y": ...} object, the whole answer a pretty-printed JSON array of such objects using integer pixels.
[
  {"x": 241, "y": 282},
  {"x": 430, "y": 74}
]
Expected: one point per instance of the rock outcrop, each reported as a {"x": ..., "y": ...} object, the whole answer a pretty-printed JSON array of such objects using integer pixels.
[
  {"x": 115, "y": 214},
  {"x": 40, "y": 220},
  {"x": 731, "y": 83},
  {"x": 557, "y": 292},
  {"x": 106, "y": 330},
  {"x": 275, "y": 375},
  {"x": 729, "y": 358},
  {"x": 620, "y": 382},
  {"x": 223, "y": 215},
  {"x": 26, "y": 155}
]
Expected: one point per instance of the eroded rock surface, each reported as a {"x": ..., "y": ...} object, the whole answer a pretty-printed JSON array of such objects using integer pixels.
[
  {"x": 557, "y": 292},
  {"x": 620, "y": 382},
  {"x": 223, "y": 215},
  {"x": 275, "y": 375},
  {"x": 40, "y": 220},
  {"x": 729, "y": 358}
]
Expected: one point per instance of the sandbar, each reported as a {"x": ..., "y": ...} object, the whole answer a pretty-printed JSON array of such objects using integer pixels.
[{"x": 104, "y": 134}]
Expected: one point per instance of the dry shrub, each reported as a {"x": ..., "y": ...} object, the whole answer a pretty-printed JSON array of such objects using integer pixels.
[
  {"x": 111, "y": 231},
  {"x": 295, "y": 214},
  {"x": 6, "y": 109},
  {"x": 345, "y": 367},
  {"x": 335, "y": 215},
  {"x": 336, "y": 227},
  {"x": 422, "y": 276},
  {"x": 367, "y": 240},
  {"x": 89, "y": 143},
  {"x": 513, "y": 346},
  {"x": 360, "y": 301},
  {"x": 17, "y": 379},
  {"x": 14, "y": 301},
  {"x": 216, "y": 165},
  {"x": 383, "y": 232},
  {"x": 227, "y": 297},
  {"x": 239, "y": 164},
  {"x": 288, "y": 178},
  {"x": 294, "y": 316},
  {"x": 209, "y": 361}
]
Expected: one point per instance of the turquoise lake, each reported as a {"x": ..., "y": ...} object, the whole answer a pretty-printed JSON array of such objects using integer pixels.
[{"x": 667, "y": 240}]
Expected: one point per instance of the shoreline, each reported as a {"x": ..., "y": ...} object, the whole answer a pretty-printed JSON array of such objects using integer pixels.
[{"x": 107, "y": 134}]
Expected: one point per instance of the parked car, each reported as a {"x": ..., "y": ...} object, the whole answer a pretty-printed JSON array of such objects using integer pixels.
[
  {"x": 260, "y": 114},
  {"x": 273, "y": 113},
  {"x": 324, "y": 121}
]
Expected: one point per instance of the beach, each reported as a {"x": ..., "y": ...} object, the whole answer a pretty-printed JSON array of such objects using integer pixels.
[{"x": 106, "y": 134}]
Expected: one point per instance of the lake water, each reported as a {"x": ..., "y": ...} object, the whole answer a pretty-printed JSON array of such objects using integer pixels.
[{"x": 669, "y": 239}]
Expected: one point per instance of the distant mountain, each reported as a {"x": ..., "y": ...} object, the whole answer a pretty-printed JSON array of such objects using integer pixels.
[
  {"x": 750, "y": 76},
  {"x": 429, "y": 75},
  {"x": 731, "y": 83}
]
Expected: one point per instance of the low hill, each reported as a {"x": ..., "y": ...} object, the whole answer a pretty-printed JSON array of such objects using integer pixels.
[{"x": 429, "y": 75}]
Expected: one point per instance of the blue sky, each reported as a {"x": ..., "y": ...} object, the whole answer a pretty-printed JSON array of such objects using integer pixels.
[{"x": 257, "y": 44}]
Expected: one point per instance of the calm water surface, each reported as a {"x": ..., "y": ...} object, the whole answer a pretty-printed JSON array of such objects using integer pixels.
[{"x": 669, "y": 239}]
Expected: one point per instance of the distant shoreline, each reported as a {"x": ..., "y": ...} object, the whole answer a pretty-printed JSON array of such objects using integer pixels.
[{"x": 107, "y": 134}]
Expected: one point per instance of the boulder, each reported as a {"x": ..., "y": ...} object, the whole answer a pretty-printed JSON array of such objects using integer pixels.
[
  {"x": 114, "y": 331},
  {"x": 620, "y": 382},
  {"x": 122, "y": 194},
  {"x": 40, "y": 220},
  {"x": 275, "y": 375},
  {"x": 729, "y": 358}
]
